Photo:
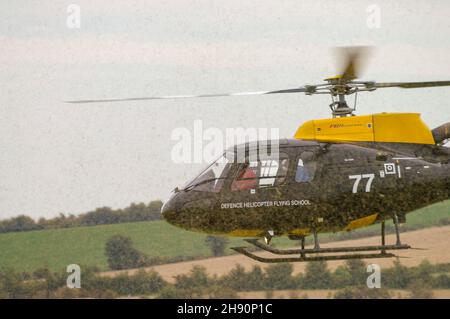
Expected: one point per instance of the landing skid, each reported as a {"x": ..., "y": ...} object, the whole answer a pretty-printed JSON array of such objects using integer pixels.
[
  {"x": 305, "y": 252},
  {"x": 336, "y": 253}
]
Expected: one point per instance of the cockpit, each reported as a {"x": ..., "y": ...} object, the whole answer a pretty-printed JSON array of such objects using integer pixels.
[
  {"x": 256, "y": 171},
  {"x": 233, "y": 177}
]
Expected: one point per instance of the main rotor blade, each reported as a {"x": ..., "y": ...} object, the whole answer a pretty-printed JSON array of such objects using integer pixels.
[
  {"x": 296, "y": 90},
  {"x": 352, "y": 60},
  {"x": 411, "y": 85}
]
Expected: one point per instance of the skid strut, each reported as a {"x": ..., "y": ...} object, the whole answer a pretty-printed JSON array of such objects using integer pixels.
[{"x": 338, "y": 253}]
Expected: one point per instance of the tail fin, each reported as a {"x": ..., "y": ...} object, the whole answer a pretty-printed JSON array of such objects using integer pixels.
[{"x": 441, "y": 134}]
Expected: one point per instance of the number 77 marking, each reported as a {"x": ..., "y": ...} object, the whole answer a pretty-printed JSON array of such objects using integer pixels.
[{"x": 358, "y": 179}]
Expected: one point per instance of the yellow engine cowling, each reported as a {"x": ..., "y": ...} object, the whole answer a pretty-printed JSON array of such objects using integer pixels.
[{"x": 383, "y": 127}]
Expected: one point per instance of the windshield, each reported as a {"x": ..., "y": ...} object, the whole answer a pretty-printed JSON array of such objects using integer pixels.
[{"x": 212, "y": 178}]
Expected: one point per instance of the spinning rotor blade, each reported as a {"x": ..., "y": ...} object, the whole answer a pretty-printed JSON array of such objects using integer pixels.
[
  {"x": 411, "y": 85},
  {"x": 296, "y": 90},
  {"x": 352, "y": 60}
]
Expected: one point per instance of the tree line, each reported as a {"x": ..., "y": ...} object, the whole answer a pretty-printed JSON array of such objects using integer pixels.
[
  {"x": 99, "y": 216},
  {"x": 349, "y": 280}
]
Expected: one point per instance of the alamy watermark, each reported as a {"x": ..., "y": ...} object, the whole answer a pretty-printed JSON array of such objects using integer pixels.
[
  {"x": 374, "y": 16},
  {"x": 204, "y": 145},
  {"x": 74, "y": 279},
  {"x": 374, "y": 279},
  {"x": 73, "y": 20}
]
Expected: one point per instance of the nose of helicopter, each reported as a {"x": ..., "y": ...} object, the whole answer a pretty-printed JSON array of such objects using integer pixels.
[
  {"x": 175, "y": 213},
  {"x": 184, "y": 211},
  {"x": 168, "y": 211}
]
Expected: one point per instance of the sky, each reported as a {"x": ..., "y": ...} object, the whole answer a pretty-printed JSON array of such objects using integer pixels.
[{"x": 64, "y": 158}]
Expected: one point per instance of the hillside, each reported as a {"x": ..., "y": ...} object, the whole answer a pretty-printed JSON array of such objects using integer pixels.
[{"x": 27, "y": 251}]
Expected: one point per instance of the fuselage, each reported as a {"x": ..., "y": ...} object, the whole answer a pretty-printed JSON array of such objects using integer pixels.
[{"x": 311, "y": 186}]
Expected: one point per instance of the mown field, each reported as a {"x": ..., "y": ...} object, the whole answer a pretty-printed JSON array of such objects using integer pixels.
[{"x": 55, "y": 249}]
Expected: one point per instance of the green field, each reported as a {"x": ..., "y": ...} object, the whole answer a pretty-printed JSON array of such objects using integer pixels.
[
  {"x": 55, "y": 249},
  {"x": 85, "y": 245}
]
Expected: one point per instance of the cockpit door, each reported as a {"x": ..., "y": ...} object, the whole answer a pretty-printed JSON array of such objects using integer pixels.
[{"x": 258, "y": 180}]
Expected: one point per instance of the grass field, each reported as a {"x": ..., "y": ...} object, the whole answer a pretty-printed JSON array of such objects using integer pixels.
[
  {"x": 58, "y": 248},
  {"x": 85, "y": 245}
]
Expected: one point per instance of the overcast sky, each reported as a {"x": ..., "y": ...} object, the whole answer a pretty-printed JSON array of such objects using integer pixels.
[{"x": 58, "y": 157}]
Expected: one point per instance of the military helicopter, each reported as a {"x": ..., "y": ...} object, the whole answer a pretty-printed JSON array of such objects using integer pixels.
[{"x": 336, "y": 174}]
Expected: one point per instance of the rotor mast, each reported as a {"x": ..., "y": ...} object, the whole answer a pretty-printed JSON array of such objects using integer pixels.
[
  {"x": 338, "y": 89},
  {"x": 340, "y": 107}
]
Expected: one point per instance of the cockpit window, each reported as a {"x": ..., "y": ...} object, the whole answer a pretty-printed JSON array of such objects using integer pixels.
[
  {"x": 259, "y": 174},
  {"x": 306, "y": 167},
  {"x": 212, "y": 178}
]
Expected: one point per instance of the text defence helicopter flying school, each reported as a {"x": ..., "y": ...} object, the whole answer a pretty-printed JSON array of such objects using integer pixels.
[{"x": 336, "y": 174}]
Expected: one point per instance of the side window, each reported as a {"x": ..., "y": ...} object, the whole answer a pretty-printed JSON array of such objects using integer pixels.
[
  {"x": 306, "y": 167},
  {"x": 262, "y": 173}
]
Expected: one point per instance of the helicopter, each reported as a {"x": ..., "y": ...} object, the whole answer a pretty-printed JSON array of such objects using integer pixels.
[{"x": 337, "y": 174}]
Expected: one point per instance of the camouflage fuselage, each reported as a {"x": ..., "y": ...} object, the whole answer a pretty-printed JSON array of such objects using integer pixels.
[{"x": 354, "y": 185}]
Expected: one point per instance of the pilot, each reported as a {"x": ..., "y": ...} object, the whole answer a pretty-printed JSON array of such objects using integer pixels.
[
  {"x": 302, "y": 175},
  {"x": 245, "y": 180}
]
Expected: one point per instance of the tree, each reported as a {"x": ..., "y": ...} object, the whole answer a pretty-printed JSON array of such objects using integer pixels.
[
  {"x": 197, "y": 278},
  {"x": 52, "y": 281},
  {"x": 154, "y": 208},
  {"x": 236, "y": 279},
  {"x": 317, "y": 276},
  {"x": 357, "y": 270},
  {"x": 194, "y": 285},
  {"x": 442, "y": 281},
  {"x": 398, "y": 276},
  {"x": 19, "y": 223},
  {"x": 217, "y": 245},
  {"x": 353, "y": 273},
  {"x": 342, "y": 277},
  {"x": 148, "y": 282},
  {"x": 121, "y": 254},
  {"x": 279, "y": 276},
  {"x": 256, "y": 279},
  {"x": 12, "y": 285},
  {"x": 362, "y": 292},
  {"x": 141, "y": 283},
  {"x": 101, "y": 216},
  {"x": 170, "y": 292},
  {"x": 424, "y": 271}
]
